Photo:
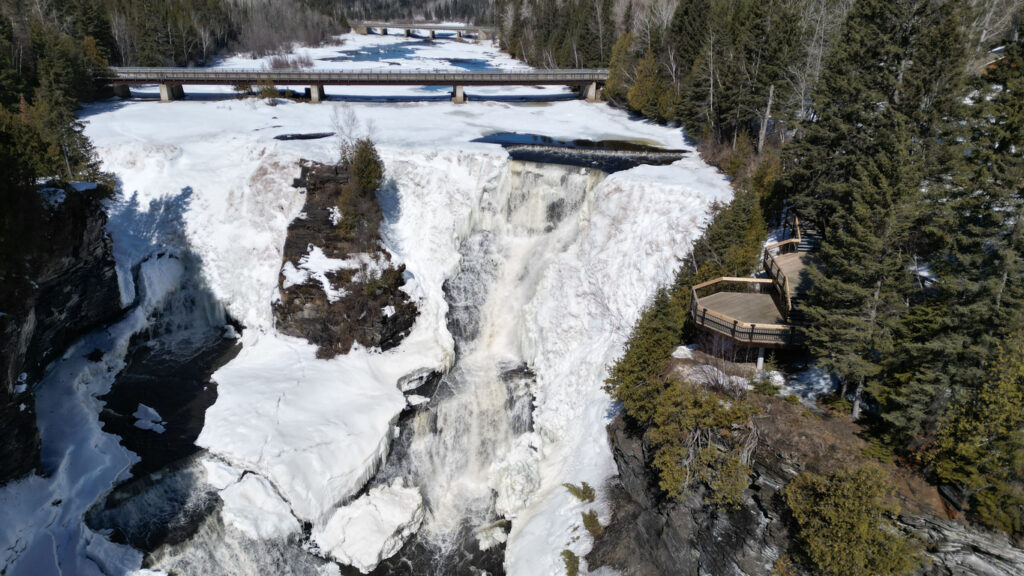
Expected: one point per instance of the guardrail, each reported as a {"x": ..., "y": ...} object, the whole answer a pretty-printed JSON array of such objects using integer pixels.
[
  {"x": 356, "y": 77},
  {"x": 739, "y": 331}
]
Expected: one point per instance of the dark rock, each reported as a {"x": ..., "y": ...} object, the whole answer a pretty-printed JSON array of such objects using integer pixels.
[
  {"x": 652, "y": 535},
  {"x": 358, "y": 314},
  {"x": 70, "y": 289}
]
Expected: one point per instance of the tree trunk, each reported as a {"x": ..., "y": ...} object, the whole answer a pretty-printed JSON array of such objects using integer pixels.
[{"x": 764, "y": 120}]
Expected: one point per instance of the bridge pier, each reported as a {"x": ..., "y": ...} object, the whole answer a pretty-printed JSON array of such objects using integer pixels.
[
  {"x": 408, "y": 33},
  {"x": 316, "y": 94},
  {"x": 431, "y": 35},
  {"x": 170, "y": 92},
  {"x": 122, "y": 91},
  {"x": 458, "y": 95},
  {"x": 591, "y": 92},
  {"x": 383, "y": 31},
  {"x": 458, "y": 34},
  {"x": 760, "y": 359}
]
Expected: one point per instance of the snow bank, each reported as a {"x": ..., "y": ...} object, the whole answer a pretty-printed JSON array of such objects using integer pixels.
[
  {"x": 254, "y": 507},
  {"x": 316, "y": 429},
  {"x": 372, "y": 528}
]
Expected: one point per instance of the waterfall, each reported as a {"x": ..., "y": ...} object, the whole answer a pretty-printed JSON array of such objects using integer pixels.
[{"x": 460, "y": 449}]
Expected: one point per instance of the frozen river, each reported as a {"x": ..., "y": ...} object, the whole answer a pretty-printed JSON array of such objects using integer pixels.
[{"x": 528, "y": 278}]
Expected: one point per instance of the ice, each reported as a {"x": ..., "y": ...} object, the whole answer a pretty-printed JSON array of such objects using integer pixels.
[
  {"x": 43, "y": 531},
  {"x": 811, "y": 383},
  {"x": 220, "y": 475},
  {"x": 372, "y": 528},
  {"x": 316, "y": 430},
  {"x": 254, "y": 507},
  {"x": 147, "y": 418},
  {"x": 20, "y": 388}
]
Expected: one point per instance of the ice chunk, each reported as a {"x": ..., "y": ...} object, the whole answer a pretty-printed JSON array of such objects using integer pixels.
[
  {"x": 147, "y": 418},
  {"x": 372, "y": 528},
  {"x": 254, "y": 507}
]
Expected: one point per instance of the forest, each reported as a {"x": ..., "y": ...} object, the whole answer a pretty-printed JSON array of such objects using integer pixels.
[{"x": 896, "y": 129}]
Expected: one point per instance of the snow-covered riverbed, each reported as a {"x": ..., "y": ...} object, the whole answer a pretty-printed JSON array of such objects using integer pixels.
[{"x": 309, "y": 433}]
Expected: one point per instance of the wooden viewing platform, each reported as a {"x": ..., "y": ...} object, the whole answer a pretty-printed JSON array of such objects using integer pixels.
[{"x": 760, "y": 312}]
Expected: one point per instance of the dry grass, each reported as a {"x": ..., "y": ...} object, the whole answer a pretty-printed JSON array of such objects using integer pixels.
[{"x": 285, "y": 62}]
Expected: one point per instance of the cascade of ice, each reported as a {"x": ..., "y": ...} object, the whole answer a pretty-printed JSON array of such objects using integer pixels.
[{"x": 459, "y": 449}]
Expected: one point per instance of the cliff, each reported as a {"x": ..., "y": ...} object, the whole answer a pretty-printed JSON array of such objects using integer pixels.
[
  {"x": 651, "y": 535},
  {"x": 64, "y": 287}
]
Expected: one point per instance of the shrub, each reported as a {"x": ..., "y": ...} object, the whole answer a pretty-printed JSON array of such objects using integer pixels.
[
  {"x": 584, "y": 493},
  {"x": 686, "y": 411},
  {"x": 845, "y": 524},
  {"x": 572, "y": 563},
  {"x": 592, "y": 524},
  {"x": 762, "y": 384},
  {"x": 792, "y": 399},
  {"x": 268, "y": 91},
  {"x": 784, "y": 567}
]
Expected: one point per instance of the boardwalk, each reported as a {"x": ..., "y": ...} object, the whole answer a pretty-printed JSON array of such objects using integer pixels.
[{"x": 760, "y": 312}]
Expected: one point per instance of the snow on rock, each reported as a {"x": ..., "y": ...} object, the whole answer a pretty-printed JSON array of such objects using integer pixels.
[
  {"x": 372, "y": 528},
  {"x": 255, "y": 508},
  {"x": 147, "y": 418}
]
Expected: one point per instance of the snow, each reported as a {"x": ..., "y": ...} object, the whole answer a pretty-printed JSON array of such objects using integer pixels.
[
  {"x": 43, "y": 531},
  {"x": 315, "y": 428},
  {"x": 53, "y": 197},
  {"x": 335, "y": 215},
  {"x": 219, "y": 474},
  {"x": 684, "y": 352},
  {"x": 811, "y": 383},
  {"x": 254, "y": 507},
  {"x": 147, "y": 418},
  {"x": 313, "y": 431},
  {"x": 20, "y": 388},
  {"x": 84, "y": 186},
  {"x": 372, "y": 528},
  {"x": 416, "y": 399}
]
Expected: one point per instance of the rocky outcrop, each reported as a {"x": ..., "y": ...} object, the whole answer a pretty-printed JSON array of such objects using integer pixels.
[
  {"x": 67, "y": 288},
  {"x": 650, "y": 535},
  {"x": 339, "y": 286}
]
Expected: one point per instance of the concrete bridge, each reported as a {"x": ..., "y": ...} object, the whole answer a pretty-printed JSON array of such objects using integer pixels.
[
  {"x": 172, "y": 80},
  {"x": 481, "y": 32}
]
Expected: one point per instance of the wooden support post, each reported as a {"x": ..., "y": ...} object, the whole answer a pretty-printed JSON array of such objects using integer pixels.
[
  {"x": 458, "y": 95},
  {"x": 316, "y": 94}
]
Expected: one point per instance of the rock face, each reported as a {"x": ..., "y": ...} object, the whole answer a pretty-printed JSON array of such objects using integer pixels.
[
  {"x": 69, "y": 288},
  {"x": 339, "y": 287},
  {"x": 650, "y": 535}
]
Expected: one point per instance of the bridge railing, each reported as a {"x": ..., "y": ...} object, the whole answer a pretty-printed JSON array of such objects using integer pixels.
[
  {"x": 737, "y": 330},
  {"x": 341, "y": 77}
]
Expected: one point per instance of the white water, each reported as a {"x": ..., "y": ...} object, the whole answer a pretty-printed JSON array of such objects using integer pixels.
[{"x": 462, "y": 453}]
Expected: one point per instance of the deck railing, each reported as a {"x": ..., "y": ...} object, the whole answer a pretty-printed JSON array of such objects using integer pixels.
[{"x": 742, "y": 332}]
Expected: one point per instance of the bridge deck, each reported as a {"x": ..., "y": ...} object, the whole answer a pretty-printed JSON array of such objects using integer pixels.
[
  {"x": 351, "y": 78},
  {"x": 424, "y": 26}
]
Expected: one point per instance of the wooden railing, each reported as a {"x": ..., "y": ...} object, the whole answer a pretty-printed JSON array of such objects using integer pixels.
[
  {"x": 778, "y": 278},
  {"x": 742, "y": 332}
]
